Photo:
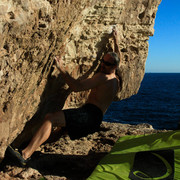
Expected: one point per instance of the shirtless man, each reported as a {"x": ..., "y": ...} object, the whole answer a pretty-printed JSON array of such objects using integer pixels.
[{"x": 80, "y": 122}]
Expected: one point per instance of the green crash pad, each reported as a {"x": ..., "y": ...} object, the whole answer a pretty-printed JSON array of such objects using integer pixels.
[{"x": 142, "y": 157}]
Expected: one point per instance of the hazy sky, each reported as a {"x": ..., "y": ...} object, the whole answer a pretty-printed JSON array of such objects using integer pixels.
[{"x": 164, "y": 46}]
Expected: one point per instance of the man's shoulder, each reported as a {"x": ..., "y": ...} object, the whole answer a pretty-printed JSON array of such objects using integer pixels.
[
  {"x": 104, "y": 77},
  {"x": 101, "y": 75}
]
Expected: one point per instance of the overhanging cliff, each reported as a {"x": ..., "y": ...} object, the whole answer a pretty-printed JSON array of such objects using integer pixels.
[{"x": 32, "y": 32}]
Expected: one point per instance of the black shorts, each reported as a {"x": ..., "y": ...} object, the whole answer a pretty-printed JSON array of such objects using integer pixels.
[{"x": 83, "y": 121}]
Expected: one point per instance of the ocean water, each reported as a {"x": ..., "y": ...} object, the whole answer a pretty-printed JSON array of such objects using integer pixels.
[{"x": 157, "y": 103}]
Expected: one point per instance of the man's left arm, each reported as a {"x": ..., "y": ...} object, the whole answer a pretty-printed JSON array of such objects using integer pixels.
[{"x": 116, "y": 43}]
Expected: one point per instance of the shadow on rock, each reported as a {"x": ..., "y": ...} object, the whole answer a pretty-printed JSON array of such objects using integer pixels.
[
  {"x": 74, "y": 167},
  {"x": 70, "y": 166}
]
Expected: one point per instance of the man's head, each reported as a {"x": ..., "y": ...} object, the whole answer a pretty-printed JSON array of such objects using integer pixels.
[
  {"x": 109, "y": 62},
  {"x": 115, "y": 57}
]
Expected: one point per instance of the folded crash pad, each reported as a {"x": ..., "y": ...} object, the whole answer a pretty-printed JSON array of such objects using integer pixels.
[{"x": 142, "y": 157}]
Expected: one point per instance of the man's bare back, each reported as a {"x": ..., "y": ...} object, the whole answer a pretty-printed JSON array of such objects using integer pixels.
[{"x": 103, "y": 95}]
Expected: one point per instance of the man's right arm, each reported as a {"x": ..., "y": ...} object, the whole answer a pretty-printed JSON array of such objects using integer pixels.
[{"x": 77, "y": 85}]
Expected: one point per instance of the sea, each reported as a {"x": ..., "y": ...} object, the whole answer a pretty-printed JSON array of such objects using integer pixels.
[{"x": 157, "y": 103}]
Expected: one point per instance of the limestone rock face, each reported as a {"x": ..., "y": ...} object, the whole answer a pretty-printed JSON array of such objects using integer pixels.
[{"x": 32, "y": 32}]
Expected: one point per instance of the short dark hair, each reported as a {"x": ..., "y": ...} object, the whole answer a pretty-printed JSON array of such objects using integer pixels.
[{"x": 115, "y": 57}]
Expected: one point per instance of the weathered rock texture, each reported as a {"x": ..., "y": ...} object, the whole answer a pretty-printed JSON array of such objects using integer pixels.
[{"x": 32, "y": 32}]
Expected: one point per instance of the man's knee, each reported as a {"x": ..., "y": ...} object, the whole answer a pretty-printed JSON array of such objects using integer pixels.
[
  {"x": 48, "y": 116},
  {"x": 56, "y": 118}
]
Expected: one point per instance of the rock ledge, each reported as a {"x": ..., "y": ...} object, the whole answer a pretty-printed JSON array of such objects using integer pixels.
[{"x": 67, "y": 159}]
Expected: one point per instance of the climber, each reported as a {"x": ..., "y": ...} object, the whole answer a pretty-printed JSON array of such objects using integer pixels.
[{"x": 82, "y": 121}]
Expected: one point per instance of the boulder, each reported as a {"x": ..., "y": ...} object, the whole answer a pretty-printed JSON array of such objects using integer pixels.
[{"x": 32, "y": 32}]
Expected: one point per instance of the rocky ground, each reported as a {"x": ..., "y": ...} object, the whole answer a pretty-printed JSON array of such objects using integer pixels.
[{"x": 66, "y": 159}]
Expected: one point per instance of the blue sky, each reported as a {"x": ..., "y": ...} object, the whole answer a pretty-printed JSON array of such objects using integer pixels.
[{"x": 164, "y": 46}]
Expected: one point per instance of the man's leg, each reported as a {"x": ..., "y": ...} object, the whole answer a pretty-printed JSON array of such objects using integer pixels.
[{"x": 54, "y": 119}]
